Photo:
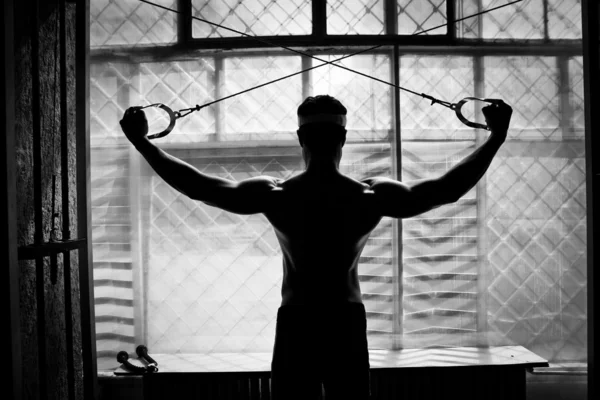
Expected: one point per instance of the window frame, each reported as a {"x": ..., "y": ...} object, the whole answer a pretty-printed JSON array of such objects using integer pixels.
[{"x": 187, "y": 47}]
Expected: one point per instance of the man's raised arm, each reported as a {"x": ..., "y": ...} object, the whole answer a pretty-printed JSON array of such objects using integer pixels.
[
  {"x": 404, "y": 200},
  {"x": 250, "y": 196}
]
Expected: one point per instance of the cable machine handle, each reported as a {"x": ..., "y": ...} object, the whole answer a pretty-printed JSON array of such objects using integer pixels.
[
  {"x": 172, "y": 118},
  {"x": 457, "y": 107}
]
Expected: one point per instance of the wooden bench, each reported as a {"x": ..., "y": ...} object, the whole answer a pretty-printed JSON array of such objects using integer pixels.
[{"x": 441, "y": 373}]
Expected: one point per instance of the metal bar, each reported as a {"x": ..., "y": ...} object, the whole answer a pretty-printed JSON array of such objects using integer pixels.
[
  {"x": 11, "y": 337},
  {"x": 319, "y": 19},
  {"x": 591, "y": 68},
  {"x": 41, "y": 326},
  {"x": 84, "y": 216},
  {"x": 33, "y": 251},
  {"x": 464, "y": 47},
  {"x": 398, "y": 328}
]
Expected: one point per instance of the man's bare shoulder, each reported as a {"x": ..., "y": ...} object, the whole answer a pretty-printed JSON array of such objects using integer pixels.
[{"x": 266, "y": 181}]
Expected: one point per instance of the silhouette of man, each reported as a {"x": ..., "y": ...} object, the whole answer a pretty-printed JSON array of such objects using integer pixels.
[{"x": 322, "y": 220}]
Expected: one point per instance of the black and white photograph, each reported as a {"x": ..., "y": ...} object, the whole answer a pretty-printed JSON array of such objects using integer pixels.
[{"x": 300, "y": 199}]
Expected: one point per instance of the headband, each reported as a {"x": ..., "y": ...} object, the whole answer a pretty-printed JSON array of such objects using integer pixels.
[{"x": 338, "y": 119}]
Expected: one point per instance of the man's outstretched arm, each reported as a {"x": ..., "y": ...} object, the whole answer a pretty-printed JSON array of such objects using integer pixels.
[
  {"x": 250, "y": 196},
  {"x": 404, "y": 200}
]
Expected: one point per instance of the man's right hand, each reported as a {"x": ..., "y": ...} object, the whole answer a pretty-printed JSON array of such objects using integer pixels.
[
  {"x": 134, "y": 125},
  {"x": 497, "y": 118}
]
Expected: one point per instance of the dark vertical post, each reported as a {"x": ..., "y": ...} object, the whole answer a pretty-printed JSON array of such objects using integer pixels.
[
  {"x": 319, "y": 19},
  {"x": 591, "y": 75},
  {"x": 11, "y": 336},
  {"x": 38, "y": 235},
  {"x": 36, "y": 125},
  {"x": 391, "y": 17},
  {"x": 451, "y": 17},
  {"x": 398, "y": 327},
  {"x": 86, "y": 278},
  {"x": 546, "y": 32},
  {"x": 564, "y": 105},
  {"x": 184, "y": 21},
  {"x": 64, "y": 179}
]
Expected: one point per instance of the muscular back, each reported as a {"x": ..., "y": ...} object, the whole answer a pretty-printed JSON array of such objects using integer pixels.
[{"x": 322, "y": 227}]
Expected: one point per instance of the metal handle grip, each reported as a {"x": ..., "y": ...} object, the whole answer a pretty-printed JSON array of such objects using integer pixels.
[
  {"x": 142, "y": 351},
  {"x": 123, "y": 358},
  {"x": 458, "y": 106},
  {"x": 172, "y": 119}
]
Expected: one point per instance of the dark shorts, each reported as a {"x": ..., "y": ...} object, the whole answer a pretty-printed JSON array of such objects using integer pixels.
[{"x": 317, "y": 345}]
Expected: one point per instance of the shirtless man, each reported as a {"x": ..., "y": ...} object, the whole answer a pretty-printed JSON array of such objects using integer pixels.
[{"x": 322, "y": 220}]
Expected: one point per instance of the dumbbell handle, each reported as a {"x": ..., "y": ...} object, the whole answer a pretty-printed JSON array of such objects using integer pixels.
[
  {"x": 142, "y": 351},
  {"x": 123, "y": 358}
]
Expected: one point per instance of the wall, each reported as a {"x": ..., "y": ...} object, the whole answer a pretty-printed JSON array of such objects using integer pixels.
[{"x": 54, "y": 386}]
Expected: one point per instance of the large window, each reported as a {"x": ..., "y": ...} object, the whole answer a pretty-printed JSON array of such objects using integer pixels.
[{"x": 506, "y": 264}]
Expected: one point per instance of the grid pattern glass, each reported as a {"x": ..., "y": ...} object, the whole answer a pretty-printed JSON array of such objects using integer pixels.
[
  {"x": 524, "y": 20},
  {"x": 355, "y": 17},
  {"x": 264, "y": 113},
  {"x": 252, "y": 17},
  {"x": 536, "y": 221},
  {"x": 215, "y": 277},
  {"x": 507, "y": 260},
  {"x": 369, "y": 103},
  {"x": 564, "y": 19},
  {"x": 415, "y": 16},
  {"x": 132, "y": 23},
  {"x": 440, "y": 253}
]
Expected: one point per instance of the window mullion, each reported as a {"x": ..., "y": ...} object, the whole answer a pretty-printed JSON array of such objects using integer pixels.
[
  {"x": 546, "y": 33},
  {"x": 219, "y": 89},
  {"x": 451, "y": 18},
  {"x": 307, "y": 63},
  {"x": 319, "y": 19},
  {"x": 184, "y": 21},
  {"x": 391, "y": 18},
  {"x": 398, "y": 316},
  {"x": 481, "y": 204},
  {"x": 562, "y": 62}
]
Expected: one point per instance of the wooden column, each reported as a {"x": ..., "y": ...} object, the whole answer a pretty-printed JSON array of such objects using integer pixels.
[{"x": 11, "y": 335}]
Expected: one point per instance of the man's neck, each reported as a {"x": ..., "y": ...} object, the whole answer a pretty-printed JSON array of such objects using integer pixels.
[{"x": 324, "y": 168}]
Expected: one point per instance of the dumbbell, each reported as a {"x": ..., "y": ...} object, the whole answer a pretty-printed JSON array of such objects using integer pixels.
[
  {"x": 142, "y": 351},
  {"x": 123, "y": 358}
]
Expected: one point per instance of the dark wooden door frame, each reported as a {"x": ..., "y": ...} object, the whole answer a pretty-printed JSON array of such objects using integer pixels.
[
  {"x": 591, "y": 69},
  {"x": 11, "y": 337}
]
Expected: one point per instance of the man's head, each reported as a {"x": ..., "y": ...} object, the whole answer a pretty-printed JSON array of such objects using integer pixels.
[{"x": 322, "y": 121}]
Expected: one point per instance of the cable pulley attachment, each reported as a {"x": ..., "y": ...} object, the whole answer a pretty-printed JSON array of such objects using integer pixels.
[
  {"x": 173, "y": 117},
  {"x": 458, "y": 106}
]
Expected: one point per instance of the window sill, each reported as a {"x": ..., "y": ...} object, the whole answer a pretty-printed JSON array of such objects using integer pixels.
[{"x": 387, "y": 366}]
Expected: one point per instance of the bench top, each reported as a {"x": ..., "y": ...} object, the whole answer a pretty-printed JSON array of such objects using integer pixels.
[{"x": 517, "y": 356}]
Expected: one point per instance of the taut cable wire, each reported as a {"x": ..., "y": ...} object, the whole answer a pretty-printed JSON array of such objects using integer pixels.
[{"x": 259, "y": 39}]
